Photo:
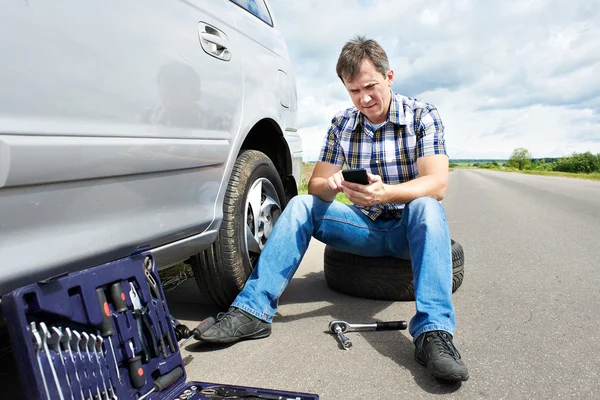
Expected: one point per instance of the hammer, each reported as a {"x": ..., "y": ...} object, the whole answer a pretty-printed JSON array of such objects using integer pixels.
[{"x": 341, "y": 327}]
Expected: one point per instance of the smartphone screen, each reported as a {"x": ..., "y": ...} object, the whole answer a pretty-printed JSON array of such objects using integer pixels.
[{"x": 356, "y": 176}]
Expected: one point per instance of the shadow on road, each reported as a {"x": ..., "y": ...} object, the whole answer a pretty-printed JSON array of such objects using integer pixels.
[
  {"x": 312, "y": 288},
  {"x": 395, "y": 345}
]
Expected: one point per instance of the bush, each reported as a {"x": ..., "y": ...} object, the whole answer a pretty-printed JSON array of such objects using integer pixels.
[{"x": 578, "y": 163}]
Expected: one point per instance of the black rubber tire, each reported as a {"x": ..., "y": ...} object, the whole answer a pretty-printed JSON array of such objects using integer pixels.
[
  {"x": 380, "y": 278},
  {"x": 222, "y": 270}
]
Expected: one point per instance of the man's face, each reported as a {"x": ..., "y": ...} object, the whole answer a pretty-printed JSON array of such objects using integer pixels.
[{"x": 370, "y": 92}]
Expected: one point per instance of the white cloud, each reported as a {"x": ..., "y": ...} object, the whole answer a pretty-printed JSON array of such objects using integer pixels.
[{"x": 518, "y": 73}]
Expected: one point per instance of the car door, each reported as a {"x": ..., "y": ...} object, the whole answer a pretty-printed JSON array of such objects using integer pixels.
[{"x": 115, "y": 124}]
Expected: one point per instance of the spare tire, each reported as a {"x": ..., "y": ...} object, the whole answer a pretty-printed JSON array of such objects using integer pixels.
[{"x": 380, "y": 278}]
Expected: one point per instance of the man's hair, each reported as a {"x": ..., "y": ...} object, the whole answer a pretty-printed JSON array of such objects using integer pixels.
[{"x": 354, "y": 52}]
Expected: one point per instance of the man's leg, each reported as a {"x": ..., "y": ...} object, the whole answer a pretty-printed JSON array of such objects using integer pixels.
[
  {"x": 334, "y": 223},
  {"x": 432, "y": 327}
]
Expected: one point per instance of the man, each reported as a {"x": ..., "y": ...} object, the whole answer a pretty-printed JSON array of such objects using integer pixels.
[{"x": 400, "y": 141}]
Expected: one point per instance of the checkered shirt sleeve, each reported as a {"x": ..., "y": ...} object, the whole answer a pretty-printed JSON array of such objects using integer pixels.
[
  {"x": 430, "y": 133},
  {"x": 332, "y": 152}
]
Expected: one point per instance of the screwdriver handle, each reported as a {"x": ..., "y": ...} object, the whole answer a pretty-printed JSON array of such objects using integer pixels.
[
  {"x": 391, "y": 326},
  {"x": 117, "y": 296},
  {"x": 166, "y": 380},
  {"x": 136, "y": 372},
  {"x": 106, "y": 327}
]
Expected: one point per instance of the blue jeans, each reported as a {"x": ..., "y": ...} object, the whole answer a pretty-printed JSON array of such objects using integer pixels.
[{"x": 421, "y": 235}]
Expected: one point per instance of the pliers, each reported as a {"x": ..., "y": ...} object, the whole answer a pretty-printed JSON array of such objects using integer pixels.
[
  {"x": 144, "y": 327},
  {"x": 222, "y": 393}
]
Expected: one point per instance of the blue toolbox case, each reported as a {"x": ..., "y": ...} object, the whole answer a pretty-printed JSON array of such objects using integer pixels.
[{"x": 89, "y": 344}]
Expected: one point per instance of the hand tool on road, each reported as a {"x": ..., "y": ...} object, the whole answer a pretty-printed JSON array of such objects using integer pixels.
[
  {"x": 155, "y": 290},
  {"x": 342, "y": 327},
  {"x": 45, "y": 336},
  {"x": 164, "y": 381},
  {"x": 54, "y": 342},
  {"x": 144, "y": 328},
  {"x": 37, "y": 340},
  {"x": 221, "y": 392},
  {"x": 197, "y": 331},
  {"x": 106, "y": 328}
]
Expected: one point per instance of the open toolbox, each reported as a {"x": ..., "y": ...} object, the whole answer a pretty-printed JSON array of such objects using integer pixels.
[{"x": 106, "y": 333}]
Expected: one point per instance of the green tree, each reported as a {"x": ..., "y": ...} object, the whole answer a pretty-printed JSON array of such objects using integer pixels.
[{"x": 520, "y": 158}]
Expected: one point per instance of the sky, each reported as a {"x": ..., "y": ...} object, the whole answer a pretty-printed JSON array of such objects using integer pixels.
[{"x": 502, "y": 74}]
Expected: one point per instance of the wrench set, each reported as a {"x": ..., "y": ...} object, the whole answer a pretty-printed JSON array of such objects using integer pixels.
[{"x": 105, "y": 333}]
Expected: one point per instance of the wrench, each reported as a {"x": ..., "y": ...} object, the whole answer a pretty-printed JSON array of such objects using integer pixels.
[
  {"x": 111, "y": 389},
  {"x": 77, "y": 346},
  {"x": 38, "y": 347},
  {"x": 92, "y": 345},
  {"x": 341, "y": 327},
  {"x": 65, "y": 341},
  {"x": 54, "y": 342},
  {"x": 45, "y": 336},
  {"x": 87, "y": 350}
]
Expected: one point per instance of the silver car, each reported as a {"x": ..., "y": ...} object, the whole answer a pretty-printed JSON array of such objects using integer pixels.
[{"x": 135, "y": 125}]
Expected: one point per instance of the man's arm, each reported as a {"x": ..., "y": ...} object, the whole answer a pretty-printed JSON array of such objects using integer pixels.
[
  {"x": 432, "y": 182},
  {"x": 325, "y": 181}
]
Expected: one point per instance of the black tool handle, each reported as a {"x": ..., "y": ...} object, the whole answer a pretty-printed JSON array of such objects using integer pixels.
[
  {"x": 106, "y": 327},
  {"x": 137, "y": 315},
  {"x": 136, "y": 372},
  {"x": 202, "y": 327},
  {"x": 166, "y": 380},
  {"x": 391, "y": 326},
  {"x": 117, "y": 296},
  {"x": 170, "y": 341}
]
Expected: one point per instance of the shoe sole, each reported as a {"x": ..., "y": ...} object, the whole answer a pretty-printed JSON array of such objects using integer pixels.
[
  {"x": 255, "y": 335},
  {"x": 446, "y": 377}
]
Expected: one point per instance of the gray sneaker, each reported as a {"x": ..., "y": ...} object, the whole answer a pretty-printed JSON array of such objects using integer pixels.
[
  {"x": 236, "y": 325},
  {"x": 436, "y": 351}
]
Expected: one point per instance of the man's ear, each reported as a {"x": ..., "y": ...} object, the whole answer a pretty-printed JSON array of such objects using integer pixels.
[{"x": 390, "y": 77}]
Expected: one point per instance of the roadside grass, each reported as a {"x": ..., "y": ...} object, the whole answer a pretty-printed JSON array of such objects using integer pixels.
[
  {"x": 595, "y": 176},
  {"x": 305, "y": 173}
]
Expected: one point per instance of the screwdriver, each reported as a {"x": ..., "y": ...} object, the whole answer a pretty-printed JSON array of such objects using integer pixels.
[
  {"x": 106, "y": 328},
  {"x": 117, "y": 296},
  {"x": 164, "y": 381},
  {"x": 136, "y": 371},
  {"x": 199, "y": 330}
]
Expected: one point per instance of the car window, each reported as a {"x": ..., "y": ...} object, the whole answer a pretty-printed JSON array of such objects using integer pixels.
[{"x": 257, "y": 8}]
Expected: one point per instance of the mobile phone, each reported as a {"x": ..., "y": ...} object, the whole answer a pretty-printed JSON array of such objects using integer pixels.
[{"x": 356, "y": 176}]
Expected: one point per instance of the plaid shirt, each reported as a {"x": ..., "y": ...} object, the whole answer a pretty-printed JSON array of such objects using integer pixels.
[{"x": 413, "y": 129}]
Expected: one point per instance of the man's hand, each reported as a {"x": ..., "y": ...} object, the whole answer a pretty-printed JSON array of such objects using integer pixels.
[
  {"x": 334, "y": 182},
  {"x": 365, "y": 195}
]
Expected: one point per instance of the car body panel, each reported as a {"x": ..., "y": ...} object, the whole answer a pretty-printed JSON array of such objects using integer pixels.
[{"x": 119, "y": 126}]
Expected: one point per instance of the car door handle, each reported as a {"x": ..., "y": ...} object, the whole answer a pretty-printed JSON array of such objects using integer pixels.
[
  {"x": 214, "y": 39},
  {"x": 214, "y": 42}
]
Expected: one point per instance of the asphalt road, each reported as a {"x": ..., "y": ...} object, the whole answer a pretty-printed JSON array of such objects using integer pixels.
[{"x": 527, "y": 312}]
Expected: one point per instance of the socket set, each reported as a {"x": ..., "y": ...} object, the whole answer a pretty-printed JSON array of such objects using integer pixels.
[{"x": 106, "y": 333}]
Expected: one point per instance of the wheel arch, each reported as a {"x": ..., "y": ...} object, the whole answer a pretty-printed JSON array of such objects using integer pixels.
[{"x": 266, "y": 136}]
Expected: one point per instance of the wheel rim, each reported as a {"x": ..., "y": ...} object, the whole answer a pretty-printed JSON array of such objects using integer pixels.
[{"x": 262, "y": 211}]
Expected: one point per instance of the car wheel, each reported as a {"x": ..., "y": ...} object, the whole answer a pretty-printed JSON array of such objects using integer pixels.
[
  {"x": 380, "y": 278},
  {"x": 253, "y": 202}
]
